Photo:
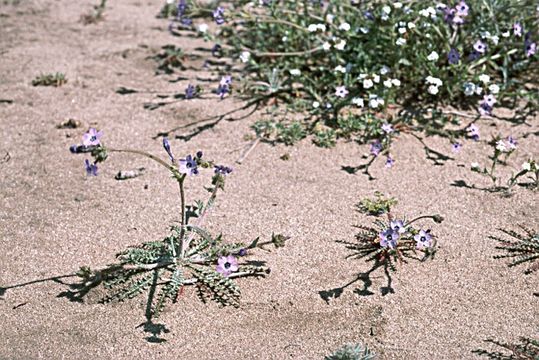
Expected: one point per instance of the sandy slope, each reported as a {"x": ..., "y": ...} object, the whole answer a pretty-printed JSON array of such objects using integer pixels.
[{"x": 53, "y": 219}]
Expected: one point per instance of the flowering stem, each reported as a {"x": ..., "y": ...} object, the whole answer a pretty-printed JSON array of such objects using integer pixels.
[
  {"x": 149, "y": 156},
  {"x": 436, "y": 218},
  {"x": 183, "y": 219}
]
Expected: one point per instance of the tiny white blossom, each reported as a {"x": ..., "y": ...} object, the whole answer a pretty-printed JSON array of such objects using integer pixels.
[
  {"x": 364, "y": 30},
  {"x": 500, "y": 146},
  {"x": 433, "y": 89},
  {"x": 312, "y": 28},
  {"x": 284, "y": 39},
  {"x": 321, "y": 27},
  {"x": 362, "y": 76},
  {"x": 400, "y": 41},
  {"x": 358, "y": 101},
  {"x": 344, "y": 27},
  {"x": 316, "y": 104},
  {"x": 397, "y": 5},
  {"x": 434, "y": 81},
  {"x": 469, "y": 88},
  {"x": 386, "y": 9},
  {"x": 367, "y": 83},
  {"x": 433, "y": 56},
  {"x": 295, "y": 72},
  {"x": 341, "y": 91},
  {"x": 340, "y": 68},
  {"x": 396, "y": 82},
  {"x": 478, "y": 90},
  {"x": 376, "y": 78},
  {"x": 402, "y": 30},
  {"x": 388, "y": 84},
  {"x": 326, "y": 46},
  {"x": 340, "y": 45},
  {"x": 329, "y": 18},
  {"x": 203, "y": 27},
  {"x": 526, "y": 166},
  {"x": 245, "y": 56},
  {"x": 384, "y": 70},
  {"x": 428, "y": 12},
  {"x": 484, "y": 78},
  {"x": 411, "y": 25},
  {"x": 506, "y": 34},
  {"x": 475, "y": 165},
  {"x": 494, "y": 89}
]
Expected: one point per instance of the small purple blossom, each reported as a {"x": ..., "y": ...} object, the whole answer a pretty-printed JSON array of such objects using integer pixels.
[
  {"x": 92, "y": 137},
  {"x": 473, "y": 132},
  {"x": 219, "y": 15},
  {"x": 462, "y": 9},
  {"x": 376, "y": 147},
  {"x": 91, "y": 169},
  {"x": 182, "y": 6},
  {"x": 453, "y": 57},
  {"x": 166, "y": 145},
  {"x": 216, "y": 50},
  {"x": 222, "y": 170},
  {"x": 242, "y": 252},
  {"x": 489, "y": 99},
  {"x": 423, "y": 240},
  {"x": 341, "y": 91},
  {"x": 480, "y": 46},
  {"x": 530, "y": 48},
  {"x": 190, "y": 92},
  {"x": 368, "y": 15},
  {"x": 389, "y": 161},
  {"x": 397, "y": 226},
  {"x": 455, "y": 147},
  {"x": 188, "y": 166},
  {"x": 517, "y": 29},
  {"x": 388, "y": 238},
  {"x": 511, "y": 143},
  {"x": 387, "y": 128},
  {"x": 226, "y": 265}
]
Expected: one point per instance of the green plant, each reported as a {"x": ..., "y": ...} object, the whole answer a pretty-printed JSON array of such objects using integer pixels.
[
  {"x": 352, "y": 352},
  {"x": 522, "y": 248},
  {"x": 377, "y": 206},
  {"x": 55, "y": 80},
  {"x": 526, "y": 349}
]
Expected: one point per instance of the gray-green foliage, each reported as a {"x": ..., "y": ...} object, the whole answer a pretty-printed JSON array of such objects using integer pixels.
[
  {"x": 526, "y": 349},
  {"x": 377, "y": 206},
  {"x": 57, "y": 79},
  {"x": 520, "y": 248},
  {"x": 352, "y": 352}
]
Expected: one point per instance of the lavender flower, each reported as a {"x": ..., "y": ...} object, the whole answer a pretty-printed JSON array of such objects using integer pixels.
[
  {"x": 388, "y": 238},
  {"x": 181, "y": 8},
  {"x": 91, "y": 169},
  {"x": 92, "y": 137},
  {"x": 473, "y": 132},
  {"x": 166, "y": 145},
  {"x": 453, "y": 57},
  {"x": 188, "y": 166},
  {"x": 517, "y": 29},
  {"x": 222, "y": 170},
  {"x": 389, "y": 161},
  {"x": 216, "y": 50},
  {"x": 455, "y": 147},
  {"x": 511, "y": 143},
  {"x": 530, "y": 48},
  {"x": 226, "y": 265},
  {"x": 341, "y": 91},
  {"x": 397, "y": 226},
  {"x": 480, "y": 47},
  {"x": 376, "y": 147},
  {"x": 219, "y": 15},
  {"x": 423, "y": 240},
  {"x": 368, "y": 15},
  {"x": 190, "y": 92},
  {"x": 462, "y": 9},
  {"x": 387, "y": 128}
]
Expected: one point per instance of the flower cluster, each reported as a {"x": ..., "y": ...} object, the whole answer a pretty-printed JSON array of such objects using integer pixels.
[{"x": 389, "y": 238}]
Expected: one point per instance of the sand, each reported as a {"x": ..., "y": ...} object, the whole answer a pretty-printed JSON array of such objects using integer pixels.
[{"x": 54, "y": 219}]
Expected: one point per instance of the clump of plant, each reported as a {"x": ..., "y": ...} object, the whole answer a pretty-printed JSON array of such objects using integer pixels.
[
  {"x": 352, "y": 352},
  {"x": 190, "y": 255},
  {"x": 520, "y": 248},
  {"x": 57, "y": 79},
  {"x": 377, "y": 206},
  {"x": 96, "y": 15},
  {"x": 342, "y": 63},
  {"x": 502, "y": 150},
  {"x": 168, "y": 59},
  {"x": 526, "y": 349}
]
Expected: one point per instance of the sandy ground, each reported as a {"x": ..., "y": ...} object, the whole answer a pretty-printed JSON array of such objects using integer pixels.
[{"x": 53, "y": 219}]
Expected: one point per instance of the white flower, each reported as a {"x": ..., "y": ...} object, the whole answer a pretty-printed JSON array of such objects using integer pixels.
[
  {"x": 316, "y": 104},
  {"x": 375, "y": 101},
  {"x": 340, "y": 45},
  {"x": 203, "y": 27},
  {"x": 358, "y": 101},
  {"x": 384, "y": 17},
  {"x": 362, "y": 76},
  {"x": 341, "y": 91},
  {"x": 312, "y": 28},
  {"x": 326, "y": 46},
  {"x": 321, "y": 27},
  {"x": 484, "y": 78},
  {"x": 434, "y": 81},
  {"x": 433, "y": 89},
  {"x": 245, "y": 56},
  {"x": 364, "y": 30},
  {"x": 367, "y": 83},
  {"x": 388, "y": 83},
  {"x": 386, "y": 9},
  {"x": 469, "y": 88},
  {"x": 475, "y": 165},
  {"x": 376, "y": 78},
  {"x": 500, "y": 146},
  {"x": 400, "y": 41},
  {"x": 344, "y": 27},
  {"x": 170, "y": 1},
  {"x": 411, "y": 25},
  {"x": 526, "y": 166},
  {"x": 329, "y": 18},
  {"x": 428, "y": 12},
  {"x": 384, "y": 70},
  {"x": 433, "y": 56},
  {"x": 506, "y": 34},
  {"x": 295, "y": 72},
  {"x": 396, "y": 82},
  {"x": 494, "y": 89},
  {"x": 478, "y": 90},
  {"x": 284, "y": 39},
  {"x": 397, "y": 5},
  {"x": 495, "y": 39},
  {"x": 340, "y": 68},
  {"x": 402, "y": 30}
]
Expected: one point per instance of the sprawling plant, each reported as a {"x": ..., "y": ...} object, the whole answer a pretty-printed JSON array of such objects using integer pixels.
[
  {"x": 352, "y": 352},
  {"x": 190, "y": 255},
  {"x": 526, "y": 349},
  {"x": 520, "y": 248}
]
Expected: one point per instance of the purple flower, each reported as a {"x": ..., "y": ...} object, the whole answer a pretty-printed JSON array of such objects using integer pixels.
[
  {"x": 222, "y": 170},
  {"x": 388, "y": 238},
  {"x": 92, "y": 137},
  {"x": 397, "y": 226},
  {"x": 376, "y": 147},
  {"x": 242, "y": 252},
  {"x": 486, "y": 105},
  {"x": 91, "y": 169},
  {"x": 182, "y": 6},
  {"x": 226, "y": 265},
  {"x": 387, "y": 128},
  {"x": 480, "y": 46},
  {"x": 190, "y": 92},
  {"x": 531, "y": 48},
  {"x": 455, "y": 147},
  {"x": 226, "y": 80},
  {"x": 473, "y": 132},
  {"x": 517, "y": 29},
  {"x": 188, "y": 166},
  {"x": 222, "y": 90},
  {"x": 423, "y": 240},
  {"x": 368, "y": 15},
  {"x": 199, "y": 154},
  {"x": 166, "y": 145},
  {"x": 219, "y": 15},
  {"x": 389, "y": 161},
  {"x": 341, "y": 91},
  {"x": 186, "y": 21},
  {"x": 490, "y": 100},
  {"x": 216, "y": 50},
  {"x": 453, "y": 56},
  {"x": 462, "y": 9},
  {"x": 511, "y": 143}
]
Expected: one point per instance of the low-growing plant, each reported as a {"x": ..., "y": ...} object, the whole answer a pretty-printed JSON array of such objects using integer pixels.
[
  {"x": 526, "y": 349},
  {"x": 57, "y": 79},
  {"x": 520, "y": 248},
  {"x": 190, "y": 255},
  {"x": 168, "y": 59},
  {"x": 352, "y": 352},
  {"x": 96, "y": 15},
  {"x": 377, "y": 206}
]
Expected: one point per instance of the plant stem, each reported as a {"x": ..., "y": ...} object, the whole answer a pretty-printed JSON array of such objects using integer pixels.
[
  {"x": 433, "y": 217},
  {"x": 149, "y": 156},
  {"x": 183, "y": 219}
]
